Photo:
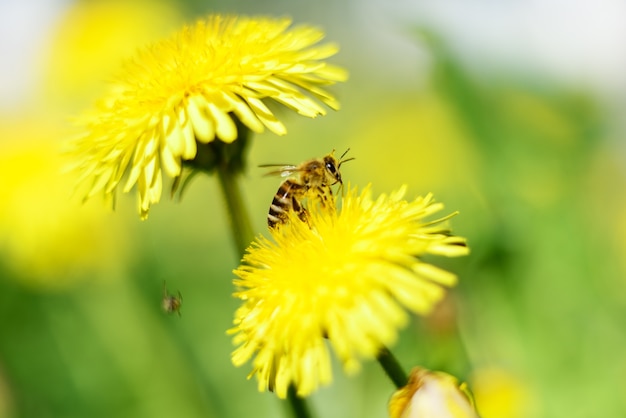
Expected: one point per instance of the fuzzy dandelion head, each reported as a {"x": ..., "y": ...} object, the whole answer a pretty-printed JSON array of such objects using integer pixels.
[
  {"x": 343, "y": 280},
  {"x": 205, "y": 83}
]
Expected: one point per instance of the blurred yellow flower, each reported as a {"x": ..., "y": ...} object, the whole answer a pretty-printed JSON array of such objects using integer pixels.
[
  {"x": 437, "y": 153},
  {"x": 342, "y": 278},
  {"x": 47, "y": 239},
  {"x": 501, "y": 394},
  {"x": 90, "y": 40},
  {"x": 430, "y": 394},
  {"x": 195, "y": 87}
]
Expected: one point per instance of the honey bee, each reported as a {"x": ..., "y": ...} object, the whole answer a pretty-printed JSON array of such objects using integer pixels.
[
  {"x": 310, "y": 180},
  {"x": 171, "y": 303}
]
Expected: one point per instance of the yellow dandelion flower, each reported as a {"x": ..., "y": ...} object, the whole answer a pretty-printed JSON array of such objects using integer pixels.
[
  {"x": 206, "y": 82},
  {"x": 46, "y": 240},
  {"x": 344, "y": 279},
  {"x": 502, "y": 394}
]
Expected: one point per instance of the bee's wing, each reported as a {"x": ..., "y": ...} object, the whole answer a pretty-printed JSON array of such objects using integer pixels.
[{"x": 285, "y": 170}]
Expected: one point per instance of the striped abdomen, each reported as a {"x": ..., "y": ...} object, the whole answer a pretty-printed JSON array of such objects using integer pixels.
[{"x": 286, "y": 199}]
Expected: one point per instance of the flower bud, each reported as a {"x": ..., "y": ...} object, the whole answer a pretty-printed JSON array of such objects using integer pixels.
[{"x": 431, "y": 394}]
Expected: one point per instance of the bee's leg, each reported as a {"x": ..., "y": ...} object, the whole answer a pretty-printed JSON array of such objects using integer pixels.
[
  {"x": 300, "y": 210},
  {"x": 326, "y": 197}
]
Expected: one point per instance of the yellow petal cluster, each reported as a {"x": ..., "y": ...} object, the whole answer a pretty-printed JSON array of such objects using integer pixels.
[
  {"x": 344, "y": 281},
  {"x": 196, "y": 87}
]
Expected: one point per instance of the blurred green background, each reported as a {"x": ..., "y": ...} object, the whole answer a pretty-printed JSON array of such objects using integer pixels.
[{"x": 510, "y": 113}]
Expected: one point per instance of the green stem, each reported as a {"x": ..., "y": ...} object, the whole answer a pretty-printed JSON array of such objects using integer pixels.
[
  {"x": 240, "y": 225},
  {"x": 392, "y": 368},
  {"x": 229, "y": 162},
  {"x": 299, "y": 407}
]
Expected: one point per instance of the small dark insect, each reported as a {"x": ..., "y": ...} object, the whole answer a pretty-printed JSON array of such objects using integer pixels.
[{"x": 171, "y": 303}]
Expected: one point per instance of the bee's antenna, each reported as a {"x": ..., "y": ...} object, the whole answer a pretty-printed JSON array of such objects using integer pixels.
[{"x": 341, "y": 160}]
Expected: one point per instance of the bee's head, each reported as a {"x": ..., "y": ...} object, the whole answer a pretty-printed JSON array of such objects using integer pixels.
[{"x": 333, "y": 165}]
